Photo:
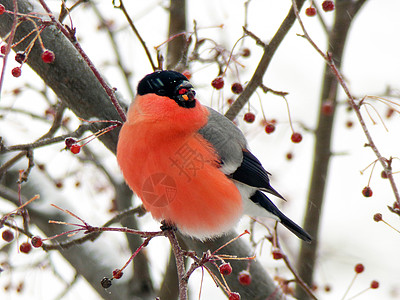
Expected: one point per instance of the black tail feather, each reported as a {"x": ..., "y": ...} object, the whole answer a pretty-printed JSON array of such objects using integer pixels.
[
  {"x": 296, "y": 229},
  {"x": 262, "y": 200}
]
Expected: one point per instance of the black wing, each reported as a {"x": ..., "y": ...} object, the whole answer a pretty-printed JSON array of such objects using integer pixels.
[{"x": 252, "y": 173}]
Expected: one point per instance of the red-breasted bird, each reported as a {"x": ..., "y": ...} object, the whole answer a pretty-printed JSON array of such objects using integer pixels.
[{"x": 189, "y": 164}]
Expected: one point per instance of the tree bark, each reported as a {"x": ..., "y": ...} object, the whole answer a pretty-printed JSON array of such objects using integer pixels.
[
  {"x": 345, "y": 11},
  {"x": 75, "y": 84}
]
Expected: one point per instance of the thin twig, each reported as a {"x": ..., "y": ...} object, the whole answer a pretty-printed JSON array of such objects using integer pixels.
[
  {"x": 180, "y": 264},
  {"x": 132, "y": 25},
  {"x": 9, "y": 44},
  {"x": 289, "y": 265},
  {"x": 265, "y": 60},
  {"x": 47, "y": 141},
  {"x": 70, "y": 34},
  {"x": 328, "y": 59},
  {"x": 116, "y": 49}
]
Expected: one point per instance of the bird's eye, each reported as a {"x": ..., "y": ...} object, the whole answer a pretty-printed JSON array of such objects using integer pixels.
[{"x": 182, "y": 91}]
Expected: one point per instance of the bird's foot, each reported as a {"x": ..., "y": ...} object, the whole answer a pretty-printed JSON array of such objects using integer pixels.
[{"x": 165, "y": 225}]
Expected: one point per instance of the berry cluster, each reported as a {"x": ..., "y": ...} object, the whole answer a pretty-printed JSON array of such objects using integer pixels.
[
  {"x": 71, "y": 144},
  {"x": 358, "y": 269},
  {"x": 36, "y": 241},
  {"x": 21, "y": 57},
  {"x": 327, "y": 5}
]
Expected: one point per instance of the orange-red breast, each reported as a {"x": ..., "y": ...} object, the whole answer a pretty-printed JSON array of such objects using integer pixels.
[{"x": 189, "y": 164}]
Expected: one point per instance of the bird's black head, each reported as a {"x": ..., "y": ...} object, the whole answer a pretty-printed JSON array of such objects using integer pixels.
[{"x": 169, "y": 84}]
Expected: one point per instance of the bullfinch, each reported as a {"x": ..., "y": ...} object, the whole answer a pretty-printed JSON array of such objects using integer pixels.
[{"x": 189, "y": 164}]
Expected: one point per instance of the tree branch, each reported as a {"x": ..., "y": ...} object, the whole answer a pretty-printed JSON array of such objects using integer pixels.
[
  {"x": 269, "y": 51},
  {"x": 344, "y": 14}
]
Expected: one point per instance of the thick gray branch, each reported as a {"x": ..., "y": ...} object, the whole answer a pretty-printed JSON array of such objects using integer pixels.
[{"x": 74, "y": 83}]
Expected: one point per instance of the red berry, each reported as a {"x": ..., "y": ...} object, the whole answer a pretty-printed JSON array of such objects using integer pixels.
[
  {"x": 327, "y": 108},
  {"x": 349, "y": 124},
  {"x": 389, "y": 112},
  {"x": 311, "y": 11},
  {"x": 36, "y": 241},
  {"x": 3, "y": 49},
  {"x": 359, "y": 268},
  {"x": 16, "y": 72},
  {"x": 328, "y": 5},
  {"x": 48, "y": 56},
  {"x": 117, "y": 274},
  {"x": 59, "y": 184},
  {"x": 367, "y": 191},
  {"x": 225, "y": 269},
  {"x": 269, "y": 128},
  {"x": 244, "y": 277},
  {"x": 2, "y": 9},
  {"x": 25, "y": 248},
  {"x": 377, "y": 217},
  {"x": 237, "y": 88},
  {"x": 218, "y": 83},
  {"x": 69, "y": 142},
  {"x": 249, "y": 117},
  {"x": 374, "y": 284},
  {"x": 327, "y": 288},
  {"x": 277, "y": 254},
  {"x": 230, "y": 101},
  {"x": 20, "y": 57},
  {"x": 187, "y": 74},
  {"x": 289, "y": 155},
  {"x": 20, "y": 287},
  {"x": 246, "y": 52},
  {"x": 234, "y": 296},
  {"x": 75, "y": 149},
  {"x": 7, "y": 235},
  {"x": 296, "y": 137}
]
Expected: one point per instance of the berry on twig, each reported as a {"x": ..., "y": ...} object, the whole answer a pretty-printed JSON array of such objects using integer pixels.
[
  {"x": 7, "y": 235},
  {"x": 374, "y": 284},
  {"x": 225, "y": 269},
  {"x": 218, "y": 83},
  {"x": 36, "y": 241},
  {"x": 249, "y": 117},
  {"x": 244, "y": 277},
  {"x": 234, "y": 296},
  {"x": 311, "y": 11},
  {"x": 75, "y": 149},
  {"x": 367, "y": 192},
  {"x": 25, "y": 248},
  {"x": 237, "y": 88},
  {"x": 48, "y": 56},
  {"x": 296, "y": 137},
  {"x": 328, "y": 5},
  {"x": 106, "y": 282},
  {"x": 16, "y": 72},
  {"x": 359, "y": 268}
]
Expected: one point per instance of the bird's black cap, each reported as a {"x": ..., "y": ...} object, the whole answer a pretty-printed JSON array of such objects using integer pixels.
[{"x": 170, "y": 84}]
